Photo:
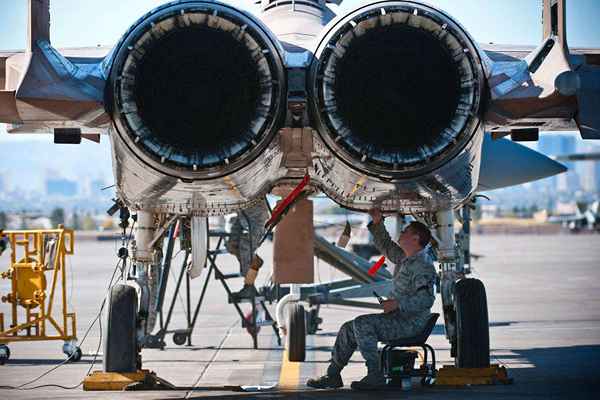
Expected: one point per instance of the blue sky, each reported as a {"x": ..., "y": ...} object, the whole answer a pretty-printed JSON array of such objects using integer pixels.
[{"x": 91, "y": 22}]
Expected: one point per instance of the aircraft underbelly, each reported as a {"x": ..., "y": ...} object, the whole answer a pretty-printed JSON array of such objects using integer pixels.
[{"x": 145, "y": 188}]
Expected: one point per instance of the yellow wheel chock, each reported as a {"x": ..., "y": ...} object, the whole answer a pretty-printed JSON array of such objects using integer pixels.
[{"x": 452, "y": 376}]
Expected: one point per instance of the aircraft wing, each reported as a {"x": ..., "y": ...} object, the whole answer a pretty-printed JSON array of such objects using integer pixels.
[
  {"x": 511, "y": 52},
  {"x": 592, "y": 156},
  {"x": 59, "y": 90}
]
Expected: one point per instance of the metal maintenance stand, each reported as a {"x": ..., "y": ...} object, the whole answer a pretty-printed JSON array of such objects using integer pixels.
[{"x": 251, "y": 322}]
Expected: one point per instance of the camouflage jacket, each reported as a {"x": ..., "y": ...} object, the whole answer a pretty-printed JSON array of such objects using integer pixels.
[{"x": 414, "y": 277}]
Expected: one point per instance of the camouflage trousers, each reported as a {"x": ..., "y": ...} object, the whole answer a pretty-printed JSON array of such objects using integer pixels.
[
  {"x": 247, "y": 230},
  {"x": 365, "y": 331}
]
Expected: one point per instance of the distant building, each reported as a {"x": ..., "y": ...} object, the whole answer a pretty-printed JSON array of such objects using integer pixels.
[
  {"x": 489, "y": 211},
  {"x": 554, "y": 145},
  {"x": 96, "y": 187},
  {"x": 61, "y": 187}
]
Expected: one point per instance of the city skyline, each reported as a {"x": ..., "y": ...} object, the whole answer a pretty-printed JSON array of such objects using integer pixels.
[{"x": 88, "y": 168}]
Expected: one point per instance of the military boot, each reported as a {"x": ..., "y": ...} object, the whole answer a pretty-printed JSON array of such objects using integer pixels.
[
  {"x": 247, "y": 292},
  {"x": 373, "y": 381},
  {"x": 326, "y": 382}
]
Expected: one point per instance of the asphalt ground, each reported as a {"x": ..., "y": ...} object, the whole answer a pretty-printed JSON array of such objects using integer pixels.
[{"x": 544, "y": 308}]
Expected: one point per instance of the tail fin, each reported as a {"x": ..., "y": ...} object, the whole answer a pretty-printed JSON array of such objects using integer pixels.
[
  {"x": 39, "y": 22},
  {"x": 554, "y": 20}
]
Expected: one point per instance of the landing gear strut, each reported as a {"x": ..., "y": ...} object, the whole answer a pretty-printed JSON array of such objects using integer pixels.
[
  {"x": 463, "y": 299},
  {"x": 128, "y": 314}
]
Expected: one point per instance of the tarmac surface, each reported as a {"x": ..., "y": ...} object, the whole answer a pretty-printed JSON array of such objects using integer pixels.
[{"x": 544, "y": 311}]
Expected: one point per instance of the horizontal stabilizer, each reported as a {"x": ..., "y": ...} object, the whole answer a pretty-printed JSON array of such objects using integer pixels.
[{"x": 506, "y": 163}]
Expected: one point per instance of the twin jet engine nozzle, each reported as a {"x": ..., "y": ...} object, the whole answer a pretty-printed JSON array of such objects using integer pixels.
[{"x": 199, "y": 89}]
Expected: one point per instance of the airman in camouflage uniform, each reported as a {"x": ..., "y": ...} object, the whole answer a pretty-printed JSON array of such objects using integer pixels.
[
  {"x": 406, "y": 312},
  {"x": 247, "y": 230}
]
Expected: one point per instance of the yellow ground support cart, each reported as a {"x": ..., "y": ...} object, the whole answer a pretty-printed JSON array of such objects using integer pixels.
[{"x": 37, "y": 269}]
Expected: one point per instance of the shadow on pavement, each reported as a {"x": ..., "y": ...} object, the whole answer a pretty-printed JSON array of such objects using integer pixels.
[{"x": 540, "y": 373}]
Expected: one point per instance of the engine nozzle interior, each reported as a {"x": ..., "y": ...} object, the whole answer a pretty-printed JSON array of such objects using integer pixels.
[{"x": 199, "y": 88}]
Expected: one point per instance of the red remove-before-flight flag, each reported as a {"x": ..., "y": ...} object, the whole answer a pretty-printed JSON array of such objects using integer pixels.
[{"x": 373, "y": 270}]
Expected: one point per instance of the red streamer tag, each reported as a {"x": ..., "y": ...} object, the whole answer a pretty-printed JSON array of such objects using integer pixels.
[
  {"x": 288, "y": 200},
  {"x": 373, "y": 270}
]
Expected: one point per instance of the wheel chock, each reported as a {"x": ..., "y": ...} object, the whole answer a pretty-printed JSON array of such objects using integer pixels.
[
  {"x": 453, "y": 376},
  {"x": 140, "y": 380}
]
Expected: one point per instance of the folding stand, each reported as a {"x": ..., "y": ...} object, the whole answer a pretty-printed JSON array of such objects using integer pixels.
[{"x": 180, "y": 336}]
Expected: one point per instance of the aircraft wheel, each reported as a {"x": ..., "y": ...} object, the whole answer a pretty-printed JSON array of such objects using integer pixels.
[
  {"x": 75, "y": 355},
  {"x": 296, "y": 333},
  {"x": 72, "y": 351},
  {"x": 120, "y": 340},
  {"x": 428, "y": 380},
  {"x": 4, "y": 354},
  {"x": 473, "y": 333},
  {"x": 179, "y": 338}
]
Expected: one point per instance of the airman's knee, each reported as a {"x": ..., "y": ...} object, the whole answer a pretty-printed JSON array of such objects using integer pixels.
[
  {"x": 361, "y": 320},
  {"x": 347, "y": 326}
]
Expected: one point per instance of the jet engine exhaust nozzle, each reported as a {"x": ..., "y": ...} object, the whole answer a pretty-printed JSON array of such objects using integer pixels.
[
  {"x": 396, "y": 88},
  {"x": 197, "y": 87}
]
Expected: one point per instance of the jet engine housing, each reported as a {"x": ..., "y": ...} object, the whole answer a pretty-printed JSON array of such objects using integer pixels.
[
  {"x": 396, "y": 95},
  {"x": 196, "y": 92}
]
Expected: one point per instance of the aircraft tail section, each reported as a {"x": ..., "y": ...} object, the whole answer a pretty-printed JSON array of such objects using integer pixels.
[
  {"x": 38, "y": 23},
  {"x": 549, "y": 89},
  {"x": 42, "y": 88},
  {"x": 554, "y": 20}
]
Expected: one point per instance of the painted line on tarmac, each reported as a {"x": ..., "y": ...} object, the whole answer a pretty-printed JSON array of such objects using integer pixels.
[
  {"x": 272, "y": 368},
  {"x": 292, "y": 372},
  {"x": 289, "y": 377}
]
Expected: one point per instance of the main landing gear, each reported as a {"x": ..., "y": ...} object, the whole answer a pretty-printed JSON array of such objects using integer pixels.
[{"x": 463, "y": 299}]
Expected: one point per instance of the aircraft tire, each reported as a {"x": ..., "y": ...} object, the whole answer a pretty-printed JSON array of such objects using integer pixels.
[
  {"x": 4, "y": 354},
  {"x": 179, "y": 338},
  {"x": 120, "y": 338},
  {"x": 296, "y": 333},
  {"x": 473, "y": 333}
]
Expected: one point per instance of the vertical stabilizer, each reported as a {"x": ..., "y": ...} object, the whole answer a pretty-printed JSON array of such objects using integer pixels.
[
  {"x": 39, "y": 22},
  {"x": 554, "y": 20}
]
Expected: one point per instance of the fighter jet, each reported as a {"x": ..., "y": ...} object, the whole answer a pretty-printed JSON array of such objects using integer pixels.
[
  {"x": 208, "y": 107},
  {"x": 585, "y": 218}
]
